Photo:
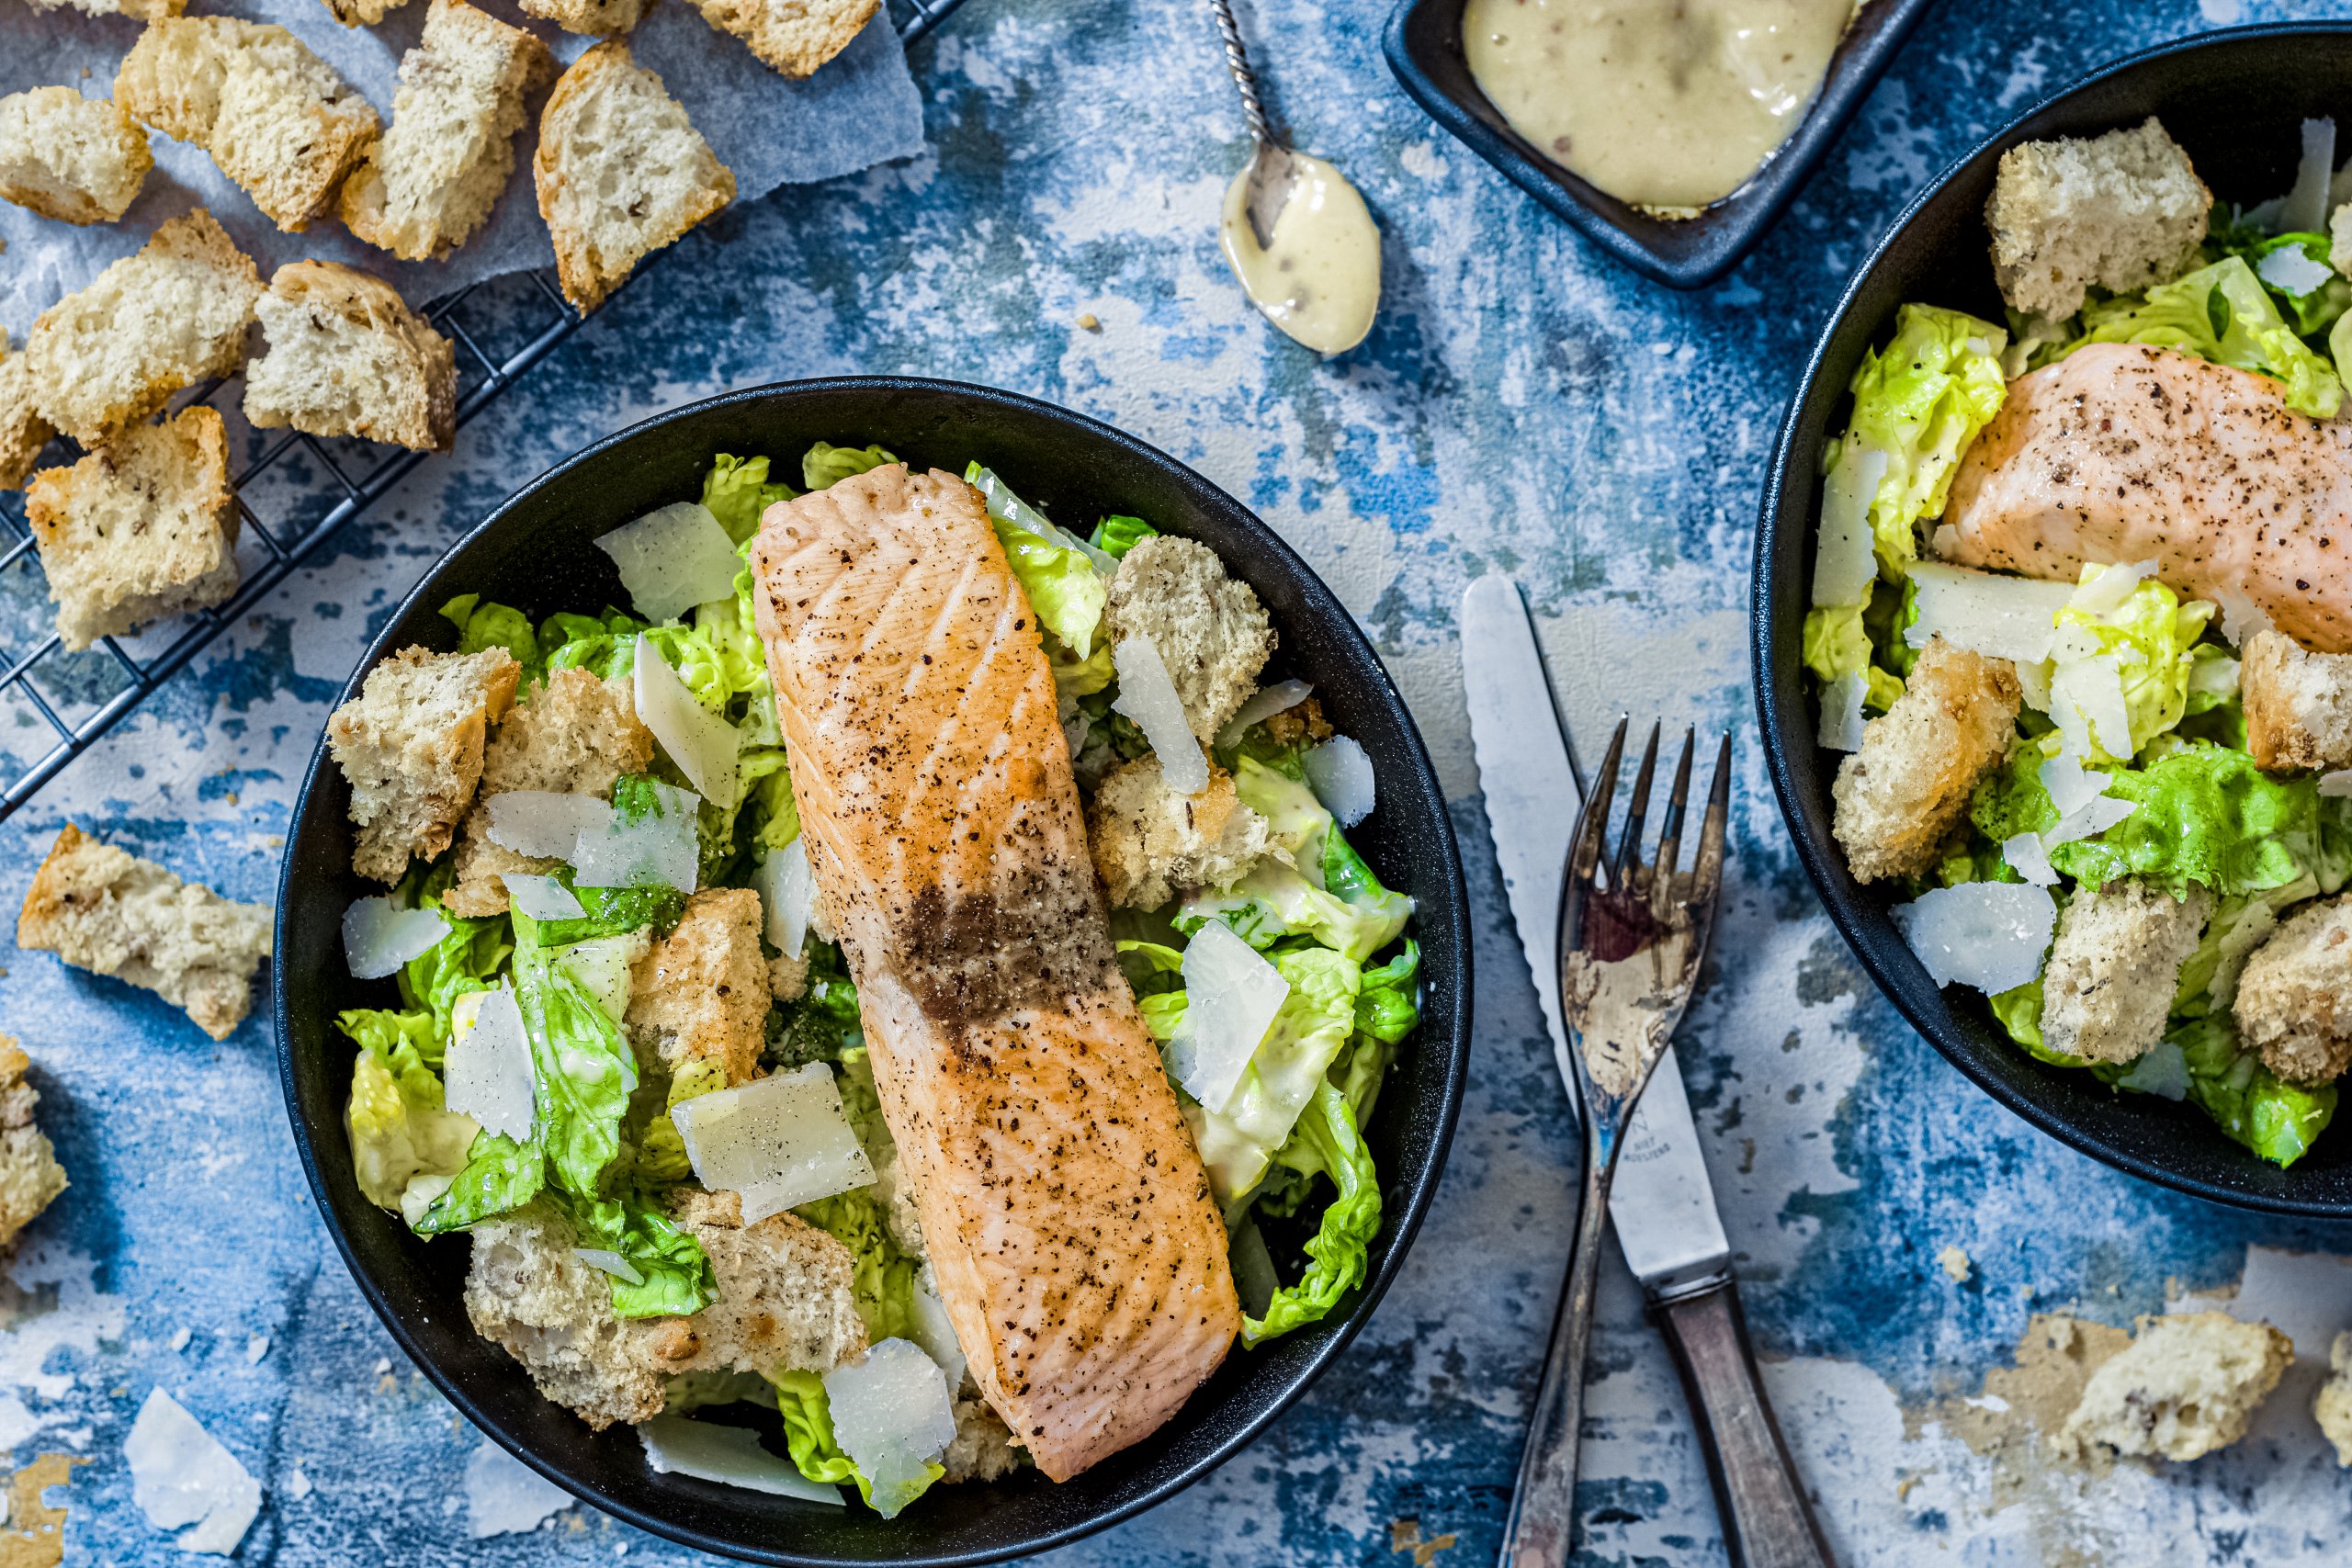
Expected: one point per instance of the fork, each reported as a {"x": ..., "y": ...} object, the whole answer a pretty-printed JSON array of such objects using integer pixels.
[{"x": 1631, "y": 939}]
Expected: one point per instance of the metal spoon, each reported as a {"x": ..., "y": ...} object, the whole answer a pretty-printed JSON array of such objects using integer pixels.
[{"x": 1272, "y": 175}]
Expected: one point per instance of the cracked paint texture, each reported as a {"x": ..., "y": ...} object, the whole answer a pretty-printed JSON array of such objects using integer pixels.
[{"x": 1522, "y": 406}]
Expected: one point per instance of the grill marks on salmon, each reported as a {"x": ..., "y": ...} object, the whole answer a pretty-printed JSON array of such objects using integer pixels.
[
  {"x": 2120, "y": 452},
  {"x": 1064, "y": 1207}
]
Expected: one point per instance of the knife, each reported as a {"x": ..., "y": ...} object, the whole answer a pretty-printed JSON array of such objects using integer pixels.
[{"x": 1663, "y": 1208}]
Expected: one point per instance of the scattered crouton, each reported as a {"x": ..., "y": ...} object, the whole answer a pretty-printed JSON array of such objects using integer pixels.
[
  {"x": 1901, "y": 793},
  {"x": 2185, "y": 1386},
  {"x": 2115, "y": 965},
  {"x": 793, "y": 37},
  {"x": 31, "y": 1178},
  {"x": 2123, "y": 211},
  {"x": 702, "y": 993},
  {"x": 23, "y": 431},
  {"x": 594, "y": 18},
  {"x": 139, "y": 10},
  {"x": 982, "y": 1448},
  {"x": 276, "y": 118},
  {"x": 411, "y": 745},
  {"x": 621, "y": 171},
  {"x": 573, "y": 736},
  {"x": 142, "y": 528},
  {"x": 787, "y": 1301},
  {"x": 2298, "y": 705},
  {"x": 362, "y": 13},
  {"x": 1210, "y": 630},
  {"x": 2334, "y": 1405},
  {"x": 109, "y": 911},
  {"x": 1151, "y": 843},
  {"x": 147, "y": 326},
  {"x": 432, "y": 181},
  {"x": 346, "y": 356},
  {"x": 2294, "y": 999},
  {"x": 74, "y": 158}
]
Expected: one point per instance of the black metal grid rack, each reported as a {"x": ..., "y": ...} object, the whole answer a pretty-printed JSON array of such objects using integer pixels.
[{"x": 97, "y": 689}]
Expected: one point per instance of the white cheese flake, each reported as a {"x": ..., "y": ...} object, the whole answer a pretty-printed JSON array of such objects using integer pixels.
[
  {"x": 504, "y": 1497},
  {"x": 543, "y": 824},
  {"x": 2162, "y": 1070},
  {"x": 779, "y": 1142},
  {"x": 1232, "y": 996},
  {"x": 892, "y": 1417},
  {"x": 1341, "y": 774},
  {"x": 934, "y": 1330},
  {"x": 2103, "y": 591},
  {"x": 487, "y": 1070},
  {"x": 1845, "y": 562},
  {"x": 379, "y": 936},
  {"x": 2240, "y": 616},
  {"x": 788, "y": 890},
  {"x": 2000, "y": 617},
  {"x": 1149, "y": 697},
  {"x": 673, "y": 559},
  {"x": 659, "y": 848},
  {"x": 184, "y": 1480},
  {"x": 1260, "y": 705},
  {"x": 608, "y": 1262},
  {"x": 2030, "y": 859},
  {"x": 1841, "y": 713},
  {"x": 2336, "y": 783},
  {"x": 2291, "y": 269},
  {"x": 730, "y": 1456},
  {"x": 1990, "y": 935},
  {"x": 704, "y": 745},
  {"x": 542, "y": 897}
]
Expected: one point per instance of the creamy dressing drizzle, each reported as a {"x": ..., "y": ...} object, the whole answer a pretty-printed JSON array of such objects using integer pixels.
[
  {"x": 1667, "y": 104},
  {"x": 1320, "y": 278}
]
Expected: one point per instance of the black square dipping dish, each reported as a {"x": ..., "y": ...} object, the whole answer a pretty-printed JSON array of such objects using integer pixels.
[{"x": 1424, "y": 47}]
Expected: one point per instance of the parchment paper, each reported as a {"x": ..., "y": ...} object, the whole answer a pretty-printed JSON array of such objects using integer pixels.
[{"x": 862, "y": 108}]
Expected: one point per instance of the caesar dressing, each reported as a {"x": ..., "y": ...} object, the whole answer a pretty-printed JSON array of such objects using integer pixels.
[
  {"x": 1319, "y": 278},
  {"x": 1667, "y": 104}
]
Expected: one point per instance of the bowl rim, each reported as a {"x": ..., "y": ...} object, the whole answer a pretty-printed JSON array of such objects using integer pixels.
[
  {"x": 1686, "y": 253},
  {"x": 1825, "y": 868},
  {"x": 1417, "y": 1190}
]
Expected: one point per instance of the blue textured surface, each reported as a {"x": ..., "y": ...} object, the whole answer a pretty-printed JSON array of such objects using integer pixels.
[{"x": 1522, "y": 406}]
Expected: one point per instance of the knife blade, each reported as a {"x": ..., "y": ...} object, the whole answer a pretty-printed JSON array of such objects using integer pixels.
[{"x": 1663, "y": 1207}]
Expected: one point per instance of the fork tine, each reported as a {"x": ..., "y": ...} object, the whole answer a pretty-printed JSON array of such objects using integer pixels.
[
  {"x": 1629, "y": 843},
  {"x": 1592, "y": 822},
  {"x": 1707, "y": 871},
  {"x": 1670, "y": 839}
]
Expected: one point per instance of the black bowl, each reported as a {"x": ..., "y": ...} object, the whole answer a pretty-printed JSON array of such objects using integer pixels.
[
  {"x": 2235, "y": 100},
  {"x": 534, "y": 552},
  {"x": 1424, "y": 49}
]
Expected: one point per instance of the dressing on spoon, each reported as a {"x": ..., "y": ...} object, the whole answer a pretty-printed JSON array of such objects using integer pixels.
[{"x": 1318, "y": 275}]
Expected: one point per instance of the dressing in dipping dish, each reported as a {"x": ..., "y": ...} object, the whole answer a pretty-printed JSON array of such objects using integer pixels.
[{"x": 1671, "y": 104}]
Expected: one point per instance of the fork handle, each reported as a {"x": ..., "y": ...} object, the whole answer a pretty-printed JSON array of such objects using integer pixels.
[
  {"x": 1767, "y": 1522},
  {"x": 1541, "y": 1530}
]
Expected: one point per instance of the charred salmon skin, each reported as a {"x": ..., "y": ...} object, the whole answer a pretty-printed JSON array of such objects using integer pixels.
[
  {"x": 1064, "y": 1206},
  {"x": 2120, "y": 452}
]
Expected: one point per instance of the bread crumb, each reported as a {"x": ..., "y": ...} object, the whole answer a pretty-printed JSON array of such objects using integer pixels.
[
  {"x": 1086, "y": 321},
  {"x": 2186, "y": 1385},
  {"x": 1956, "y": 1263},
  {"x": 74, "y": 158},
  {"x": 702, "y": 993},
  {"x": 2108, "y": 988},
  {"x": 1150, "y": 843},
  {"x": 31, "y": 1178},
  {"x": 2334, "y": 1405},
  {"x": 1210, "y": 630},
  {"x": 792, "y": 38}
]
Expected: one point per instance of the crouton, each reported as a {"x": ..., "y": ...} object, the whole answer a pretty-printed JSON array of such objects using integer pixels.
[
  {"x": 982, "y": 1448},
  {"x": 2185, "y": 1386},
  {"x": 2123, "y": 211},
  {"x": 2298, "y": 705},
  {"x": 594, "y": 19},
  {"x": 411, "y": 745},
  {"x": 1299, "y": 725},
  {"x": 702, "y": 993},
  {"x": 572, "y": 735},
  {"x": 2115, "y": 965},
  {"x": 276, "y": 118},
  {"x": 430, "y": 183},
  {"x": 1905, "y": 790},
  {"x": 793, "y": 37},
  {"x": 23, "y": 431},
  {"x": 786, "y": 1302},
  {"x": 109, "y": 911},
  {"x": 2334, "y": 1405},
  {"x": 142, "y": 528},
  {"x": 1151, "y": 843},
  {"x": 621, "y": 171},
  {"x": 2339, "y": 257},
  {"x": 1210, "y": 630},
  {"x": 31, "y": 1178},
  {"x": 362, "y": 13},
  {"x": 139, "y": 10},
  {"x": 74, "y": 158},
  {"x": 788, "y": 978},
  {"x": 147, "y": 326},
  {"x": 346, "y": 356},
  {"x": 2294, "y": 999}
]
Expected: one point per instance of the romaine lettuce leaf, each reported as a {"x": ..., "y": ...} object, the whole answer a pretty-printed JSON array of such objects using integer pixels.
[
  {"x": 825, "y": 464},
  {"x": 737, "y": 490},
  {"x": 1068, "y": 581},
  {"x": 660, "y": 1151},
  {"x": 481, "y": 626},
  {"x": 500, "y": 1175},
  {"x": 1837, "y": 644},
  {"x": 2208, "y": 815},
  {"x": 1921, "y": 401},
  {"x": 467, "y": 959},
  {"x": 1275, "y": 901},
  {"x": 2150, "y": 641},
  {"x": 1115, "y": 535},
  {"x": 2276, "y": 1119},
  {"x": 2223, "y": 314},
  {"x": 1313, "y": 1026},
  {"x": 1325, "y": 1143},
  {"x": 1388, "y": 1005},
  {"x": 398, "y": 1127},
  {"x": 674, "y": 1273},
  {"x": 2320, "y": 304},
  {"x": 1295, "y": 821},
  {"x": 580, "y": 1063}
]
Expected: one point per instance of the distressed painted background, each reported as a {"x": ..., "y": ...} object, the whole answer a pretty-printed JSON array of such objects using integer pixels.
[{"x": 1523, "y": 405}]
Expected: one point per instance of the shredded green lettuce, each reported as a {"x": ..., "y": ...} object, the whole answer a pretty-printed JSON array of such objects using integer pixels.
[
  {"x": 2221, "y": 313},
  {"x": 2208, "y": 815},
  {"x": 1239, "y": 1140},
  {"x": 580, "y": 1062},
  {"x": 674, "y": 1276},
  {"x": 481, "y": 626},
  {"x": 1115, "y": 537},
  {"x": 2150, "y": 641},
  {"x": 2276, "y": 1119},
  {"x": 1921, "y": 401},
  {"x": 1325, "y": 1143},
  {"x": 737, "y": 490},
  {"x": 825, "y": 464},
  {"x": 398, "y": 1126},
  {"x": 1838, "y": 643},
  {"x": 500, "y": 1175},
  {"x": 1068, "y": 581}
]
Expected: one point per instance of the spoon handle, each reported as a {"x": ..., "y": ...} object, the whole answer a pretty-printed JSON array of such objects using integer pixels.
[{"x": 1236, "y": 60}]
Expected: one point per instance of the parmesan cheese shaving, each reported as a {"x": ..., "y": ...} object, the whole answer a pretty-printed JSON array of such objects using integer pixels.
[
  {"x": 1340, "y": 776},
  {"x": 2001, "y": 617},
  {"x": 730, "y": 1456},
  {"x": 1149, "y": 697},
  {"x": 788, "y": 890},
  {"x": 892, "y": 1417},
  {"x": 659, "y": 848},
  {"x": 1232, "y": 996},
  {"x": 487, "y": 1070},
  {"x": 544, "y": 824},
  {"x": 779, "y": 1142},
  {"x": 1990, "y": 935},
  {"x": 673, "y": 559},
  {"x": 542, "y": 897},
  {"x": 704, "y": 745},
  {"x": 1845, "y": 560},
  {"x": 1260, "y": 705},
  {"x": 379, "y": 936},
  {"x": 183, "y": 1479}
]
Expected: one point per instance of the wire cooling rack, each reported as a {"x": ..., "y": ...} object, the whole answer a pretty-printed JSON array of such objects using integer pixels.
[{"x": 294, "y": 492}]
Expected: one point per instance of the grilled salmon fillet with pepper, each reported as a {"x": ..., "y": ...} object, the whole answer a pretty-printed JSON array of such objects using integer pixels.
[
  {"x": 2120, "y": 452},
  {"x": 1064, "y": 1206}
]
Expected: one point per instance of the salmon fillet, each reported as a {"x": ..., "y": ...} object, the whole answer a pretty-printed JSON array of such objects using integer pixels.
[
  {"x": 1064, "y": 1206},
  {"x": 2120, "y": 452}
]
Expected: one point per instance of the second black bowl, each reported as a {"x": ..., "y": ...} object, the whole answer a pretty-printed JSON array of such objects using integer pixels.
[
  {"x": 2235, "y": 100},
  {"x": 534, "y": 552}
]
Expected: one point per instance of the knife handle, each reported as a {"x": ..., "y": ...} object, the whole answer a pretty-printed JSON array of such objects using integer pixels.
[{"x": 1767, "y": 1521}]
